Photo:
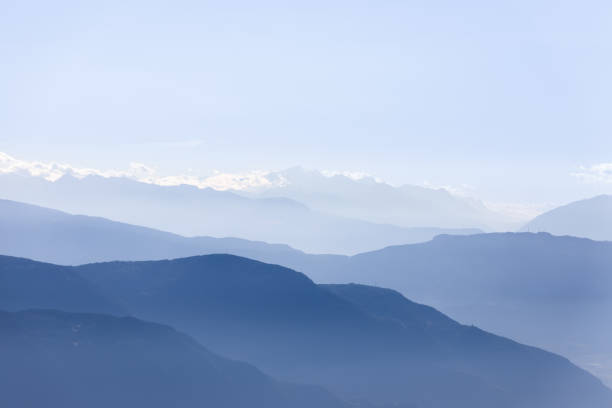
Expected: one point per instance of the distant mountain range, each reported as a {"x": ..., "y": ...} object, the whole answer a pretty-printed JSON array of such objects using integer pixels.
[
  {"x": 191, "y": 211},
  {"x": 591, "y": 218},
  {"x": 74, "y": 360},
  {"x": 363, "y": 343},
  {"x": 54, "y": 236},
  {"x": 369, "y": 199}
]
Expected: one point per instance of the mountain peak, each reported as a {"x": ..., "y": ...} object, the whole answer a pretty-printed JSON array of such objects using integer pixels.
[{"x": 588, "y": 218}]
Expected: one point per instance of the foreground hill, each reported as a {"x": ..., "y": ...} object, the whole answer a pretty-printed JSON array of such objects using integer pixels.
[
  {"x": 282, "y": 322},
  {"x": 591, "y": 218},
  {"x": 191, "y": 211},
  {"x": 59, "y": 359},
  {"x": 26, "y": 284}
]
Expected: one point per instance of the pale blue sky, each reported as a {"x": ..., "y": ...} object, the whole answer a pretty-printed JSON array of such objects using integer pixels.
[{"x": 507, "y": 97}]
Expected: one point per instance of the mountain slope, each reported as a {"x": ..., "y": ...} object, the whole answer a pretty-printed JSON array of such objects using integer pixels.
[
  {"x": 519, "y": 266},
  {"x": 473, "y": 350},
  {"x": 54, "y": 236},
  {"x": 591, "y": 218},
  {"x": 26, "y": 284},
  {"x": 553, "y": 292},
  {"x": 302, "y": 332},
  {"x": 221, "y": 297},
  {"x": 52, "y": 358},
  {"x": 190, "y": 211}
]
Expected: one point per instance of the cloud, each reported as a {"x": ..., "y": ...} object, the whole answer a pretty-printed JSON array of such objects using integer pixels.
[
  {"x": 53, "y": 171},
  {"x": 246, "y": 181},
  {"x": 255, "y": 180},
  {"x": 597, "y": 173},
  {"x": 353, "y": 175}
]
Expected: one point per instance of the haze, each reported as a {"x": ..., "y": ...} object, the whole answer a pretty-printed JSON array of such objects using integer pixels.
[{"x": 506, "y": 102}]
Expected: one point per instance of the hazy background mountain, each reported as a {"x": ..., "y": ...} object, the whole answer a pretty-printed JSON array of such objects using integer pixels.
[
  {"x": 364, "y": 197},
  {"x": 190, "y": 211},
  {"x": 590, "y": 218},
  {"x": 54, "y": 236},
  {"x": 361, "y": 342},
  {"x": 74, "y": 360}
]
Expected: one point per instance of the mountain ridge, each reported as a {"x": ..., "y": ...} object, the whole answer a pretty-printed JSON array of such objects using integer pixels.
[
  {"x": 373, "y": 200},
  {"x": 51, "y": 235},
  {"x": 189, "y": 211}
]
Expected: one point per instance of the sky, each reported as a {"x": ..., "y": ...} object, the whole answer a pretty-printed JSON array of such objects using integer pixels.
[{"x": 508, "y": 101}]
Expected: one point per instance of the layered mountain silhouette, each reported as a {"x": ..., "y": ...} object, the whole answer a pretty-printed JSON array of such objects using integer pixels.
[
  {"x": 553, "y": 292},
  {"x": 368, "y": 199},
  {"x": 191, "y": 211},
  {"x": 73, "y": 360},
  {"x": 536, "y": 288},
  {"x": 591, "y": 218},
  {"x": 471, "y": 349},
  {"x": 363, "y": 343}
]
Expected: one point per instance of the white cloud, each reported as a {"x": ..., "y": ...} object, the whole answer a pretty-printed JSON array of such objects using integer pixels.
[
  {"x": 246, "y": 181},
  {"x": 53, "y": 171},
  {"x": 251, "y": 180},
  {"x": 353, "y": 175},
  {"x": 597, "y": 173}
]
